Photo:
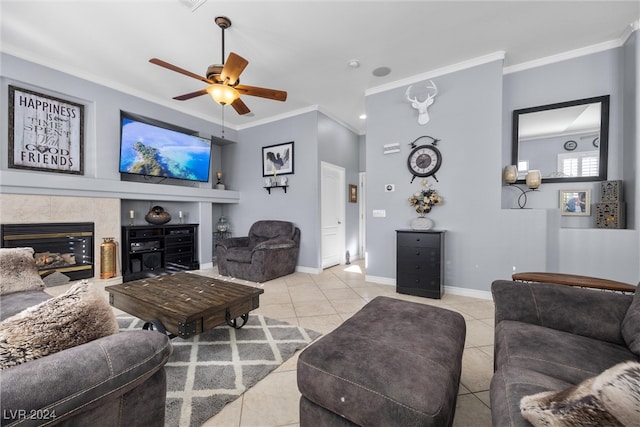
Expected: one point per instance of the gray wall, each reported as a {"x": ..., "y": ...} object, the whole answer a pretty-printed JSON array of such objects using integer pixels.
[
  {"x": 483, "y": 241},
  {"x": 486, "y": 239},
  {"x": 316, "y": 138},
  {"x": 340, "y": 146},
  {"x": 301, "y": 203}
]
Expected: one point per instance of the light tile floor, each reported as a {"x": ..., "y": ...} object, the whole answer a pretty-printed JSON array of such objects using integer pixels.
[{"x": 322, "y": 302}]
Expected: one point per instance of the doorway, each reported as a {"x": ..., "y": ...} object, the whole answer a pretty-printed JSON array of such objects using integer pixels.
[{"x": 332, "y": 203}]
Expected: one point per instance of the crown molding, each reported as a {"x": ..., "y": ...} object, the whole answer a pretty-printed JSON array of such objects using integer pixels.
[
  {"x": 576, "y": 53},
  {"x": 481, "y": 60},
  {"x": 278, "y": 117}
]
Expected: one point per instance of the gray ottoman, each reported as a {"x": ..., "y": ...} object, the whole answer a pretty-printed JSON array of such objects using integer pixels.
[{"x": 392, "y": 363}]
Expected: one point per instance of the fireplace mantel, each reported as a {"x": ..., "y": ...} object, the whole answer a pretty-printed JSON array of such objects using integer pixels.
[{"x": 63, "y": 185}]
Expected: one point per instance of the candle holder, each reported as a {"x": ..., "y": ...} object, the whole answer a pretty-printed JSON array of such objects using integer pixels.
[{"x": 132, "y": 215}]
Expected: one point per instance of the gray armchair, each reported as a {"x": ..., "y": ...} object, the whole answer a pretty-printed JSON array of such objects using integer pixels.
[{"x": 269, "y": 251}]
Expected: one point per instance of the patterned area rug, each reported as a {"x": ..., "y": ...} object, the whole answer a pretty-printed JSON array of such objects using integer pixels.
[{"x": 206, "y": 372}]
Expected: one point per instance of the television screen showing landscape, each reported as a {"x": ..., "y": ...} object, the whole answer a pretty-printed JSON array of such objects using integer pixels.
[{"x": 151, "y": 150}]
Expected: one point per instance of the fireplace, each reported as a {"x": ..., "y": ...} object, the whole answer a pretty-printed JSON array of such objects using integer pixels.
[{"x": 63, "y": 247}]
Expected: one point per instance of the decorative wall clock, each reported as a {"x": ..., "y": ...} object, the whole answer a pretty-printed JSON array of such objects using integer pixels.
[
  {"x": 424, "y": 160},
  {"x": 570, "y": 145}
]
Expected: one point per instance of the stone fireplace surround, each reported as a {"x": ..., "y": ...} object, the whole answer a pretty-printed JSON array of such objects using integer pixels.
[{"x": 103, "y": 212}]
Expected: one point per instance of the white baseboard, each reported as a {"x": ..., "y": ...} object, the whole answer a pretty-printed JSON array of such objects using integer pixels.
[
  {"x": 308, "y": 270},
  {"x": 381, "y": 280},
  {"x": 453, "y": 290},
  {"x": 474, "y": 293},
  {"x": 206, "y": 266}
]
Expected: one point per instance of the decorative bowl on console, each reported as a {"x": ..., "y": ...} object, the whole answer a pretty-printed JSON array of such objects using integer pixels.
[{"x": 157, "y": 216}]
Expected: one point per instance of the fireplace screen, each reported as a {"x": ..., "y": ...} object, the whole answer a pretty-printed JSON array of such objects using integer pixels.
[{"x": 63, "y": 247}]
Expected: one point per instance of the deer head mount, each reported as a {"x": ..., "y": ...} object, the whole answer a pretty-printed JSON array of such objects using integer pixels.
[{"x": 422, "y": 106}]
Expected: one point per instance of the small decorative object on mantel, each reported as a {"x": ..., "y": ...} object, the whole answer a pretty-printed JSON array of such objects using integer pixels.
[
  {"x": 422, "y": 106},
  {"x": 223, "y": 224},
  {"x": 157, "y": 216},
  {"x": 610, "y": 212},
  {"x": 219, "y": 184},
  {"x": 423, "y": 201}
]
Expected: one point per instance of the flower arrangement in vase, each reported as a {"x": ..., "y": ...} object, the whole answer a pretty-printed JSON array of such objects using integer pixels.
[{"x": 423, "y": 201}]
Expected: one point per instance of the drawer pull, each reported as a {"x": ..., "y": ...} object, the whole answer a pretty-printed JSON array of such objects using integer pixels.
[{"x": 417, "y": 253}]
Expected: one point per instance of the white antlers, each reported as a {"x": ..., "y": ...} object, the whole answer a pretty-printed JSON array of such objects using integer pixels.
[{"x": 421, "y": 106}]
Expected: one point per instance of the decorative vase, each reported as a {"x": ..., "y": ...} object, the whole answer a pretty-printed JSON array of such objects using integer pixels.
[
  {"x": 421, "y": 223},
  {"x": 223, "y": 224},
  {"x": 157, "y": 216},
  {"x": 107, "y": 258}
]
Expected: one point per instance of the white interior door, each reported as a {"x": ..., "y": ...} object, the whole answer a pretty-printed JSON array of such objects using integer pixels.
[{"x": 332, "y": 203}]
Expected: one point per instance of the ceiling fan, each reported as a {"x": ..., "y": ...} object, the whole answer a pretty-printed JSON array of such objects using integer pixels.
[{"x": 223, "y": 80}]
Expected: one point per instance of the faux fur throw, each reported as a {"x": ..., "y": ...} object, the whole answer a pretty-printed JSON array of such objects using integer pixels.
[
  {"x": 611, "y": 399},
  {"x": 18, "y": 271},
  {"x": 78, "y": 316}
]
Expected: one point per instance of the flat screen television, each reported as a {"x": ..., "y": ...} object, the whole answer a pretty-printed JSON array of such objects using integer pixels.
[{"x": 156, "y": 149}]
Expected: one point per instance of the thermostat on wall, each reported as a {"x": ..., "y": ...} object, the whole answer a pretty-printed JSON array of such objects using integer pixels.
[{"x": 389, "y": 187}]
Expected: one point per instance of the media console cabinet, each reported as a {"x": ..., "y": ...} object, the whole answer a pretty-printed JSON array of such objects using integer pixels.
[{"x": 150, "y": 250}]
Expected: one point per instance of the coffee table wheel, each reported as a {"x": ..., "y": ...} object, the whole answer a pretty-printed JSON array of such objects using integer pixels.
[
  {"x": 156, "y": 325},
  {"x": 233, "y": 322}
]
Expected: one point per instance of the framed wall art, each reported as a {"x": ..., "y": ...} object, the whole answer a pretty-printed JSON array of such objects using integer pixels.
[
  {"x": 353, "y": 193},
  {"x": 575, "y": 202},
  {"x": 45, "y": 133},
  {"x": 277, "y": 159}
]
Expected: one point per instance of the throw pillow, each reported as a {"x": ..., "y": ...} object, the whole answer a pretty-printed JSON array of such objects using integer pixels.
[
  {"x": 78, "y": 316},
  {"x": 610, "y": 399},
  {"x": 18, "y": 271}
]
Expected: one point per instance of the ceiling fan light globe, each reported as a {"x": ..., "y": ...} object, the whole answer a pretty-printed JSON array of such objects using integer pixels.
[{"x": 222, "y": 94}]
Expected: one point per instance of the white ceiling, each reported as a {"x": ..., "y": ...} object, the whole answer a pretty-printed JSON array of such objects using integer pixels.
[{"x": 302, "y": 47}]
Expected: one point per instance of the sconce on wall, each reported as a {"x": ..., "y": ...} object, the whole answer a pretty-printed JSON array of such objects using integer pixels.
[{"x": 533, "y": 179}]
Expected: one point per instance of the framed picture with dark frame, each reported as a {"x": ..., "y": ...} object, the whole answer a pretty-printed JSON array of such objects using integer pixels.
[
  {"x": 353, "y": 193},
  {"x": 277, "y": 159},
  {"x": 575, "y": 202},
  {"x": 45, "y": 133}
]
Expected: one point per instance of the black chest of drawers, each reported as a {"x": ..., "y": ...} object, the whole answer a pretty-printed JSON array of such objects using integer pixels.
[{"x": 420, "y": 263}]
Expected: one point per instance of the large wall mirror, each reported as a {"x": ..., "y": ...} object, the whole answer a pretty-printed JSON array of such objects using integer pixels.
[{"x": 566, "y": 141}]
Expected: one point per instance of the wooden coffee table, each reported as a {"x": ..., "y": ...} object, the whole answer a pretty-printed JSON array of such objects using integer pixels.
[{"x": 185, "y": 304}]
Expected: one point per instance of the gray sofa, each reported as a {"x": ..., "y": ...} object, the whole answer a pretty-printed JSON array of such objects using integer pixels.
[
  {"x": 112, "y": 381},
  {"x": 269, "y": 251},
  {"x": 550, "y": 337}
]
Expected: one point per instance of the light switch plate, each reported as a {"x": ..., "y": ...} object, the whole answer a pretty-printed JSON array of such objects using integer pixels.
[{"x": 379, "y": 213}]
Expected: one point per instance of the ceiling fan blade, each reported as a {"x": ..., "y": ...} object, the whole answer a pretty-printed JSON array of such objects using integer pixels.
[
  {"x": 233, "y": 67},
  {"x": 277, "y": 95},
  {"x": 187, "y": 96},
  {"x": 240, "y": 107},
  {"x": 177, "y": 69}
]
